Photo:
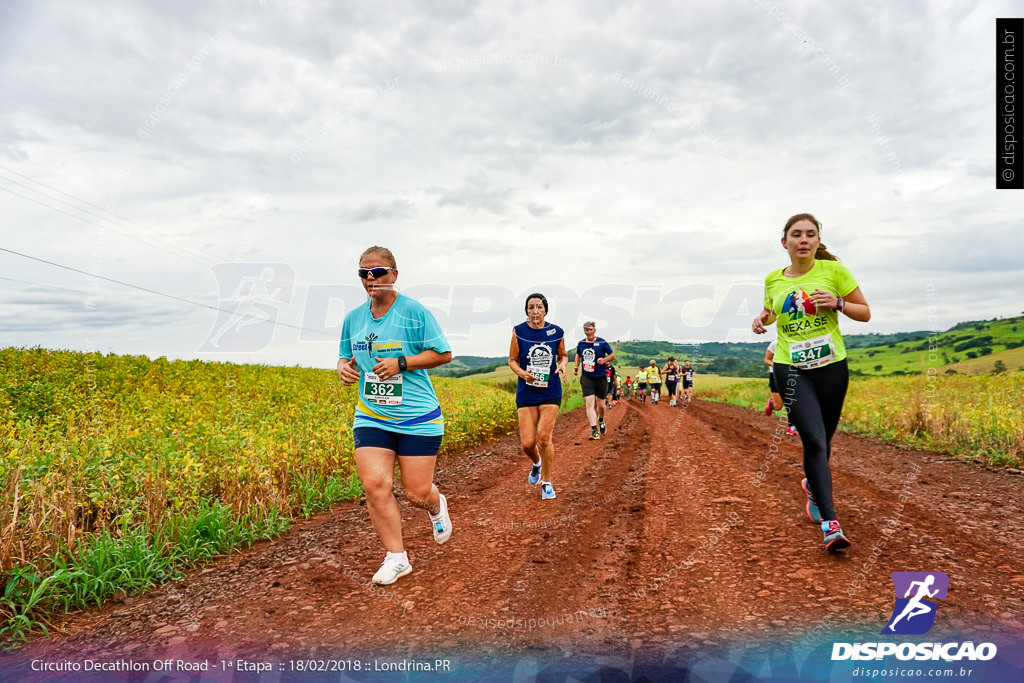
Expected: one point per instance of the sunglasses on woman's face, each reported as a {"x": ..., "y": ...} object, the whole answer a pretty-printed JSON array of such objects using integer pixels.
[{"x": 377, "y": 273}]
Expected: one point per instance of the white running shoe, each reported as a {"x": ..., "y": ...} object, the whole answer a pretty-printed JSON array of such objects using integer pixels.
[
  {"x": 441, "y": 522},
  {"x": 394, "y": 567}
]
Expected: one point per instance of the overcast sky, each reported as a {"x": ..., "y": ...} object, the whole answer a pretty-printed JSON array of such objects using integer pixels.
[{"x": 636, "y": 162}]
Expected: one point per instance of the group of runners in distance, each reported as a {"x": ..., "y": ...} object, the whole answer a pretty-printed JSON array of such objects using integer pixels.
[
  {"x": 388, "y": 344},
  {"x": 678, "y": 382}
]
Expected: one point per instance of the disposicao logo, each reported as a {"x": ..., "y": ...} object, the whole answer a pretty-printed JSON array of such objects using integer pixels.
[
  {"x": 914, "y": 612},
  {"x": 917, "y": 596}
]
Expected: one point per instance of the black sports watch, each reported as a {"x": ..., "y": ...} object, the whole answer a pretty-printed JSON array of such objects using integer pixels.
[{"x": 402, "y": 364}]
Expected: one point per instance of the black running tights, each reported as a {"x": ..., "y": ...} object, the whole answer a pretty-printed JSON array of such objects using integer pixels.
[{"x": 814, "y": 400}]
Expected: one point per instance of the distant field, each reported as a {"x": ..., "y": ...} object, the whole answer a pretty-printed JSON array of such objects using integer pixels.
[
  {"x": 976, "y": 416},
  {"x": 1013, "y": 359},
  {"x": 987, "y": 342}
]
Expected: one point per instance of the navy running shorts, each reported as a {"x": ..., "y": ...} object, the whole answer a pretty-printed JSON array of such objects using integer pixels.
[
  {"x": 548, "y": 402},
  {"x": 400, "y": 444}
]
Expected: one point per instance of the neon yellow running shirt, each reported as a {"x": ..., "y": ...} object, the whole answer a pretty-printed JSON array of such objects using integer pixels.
[{"x": 809, "y": 336}]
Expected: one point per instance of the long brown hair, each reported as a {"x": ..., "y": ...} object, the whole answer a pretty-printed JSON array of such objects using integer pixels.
[{"x": 822, "y": 253}]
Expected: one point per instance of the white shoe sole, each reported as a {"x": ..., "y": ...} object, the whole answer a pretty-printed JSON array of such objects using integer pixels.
[
  {"x": 445, "y": 520},
  {"x": 379, "y": 580}
]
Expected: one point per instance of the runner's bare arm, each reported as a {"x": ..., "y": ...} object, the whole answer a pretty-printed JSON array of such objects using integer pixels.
[
  {"x": 513, "y": 360},
  {"x": 856, "y": 306},
  {"x": 765, "y": 317}
]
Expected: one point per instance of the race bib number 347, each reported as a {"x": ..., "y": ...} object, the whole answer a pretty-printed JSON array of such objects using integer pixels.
[
  {"x": 382, "y": 392},
  {"x": 812, "y": 353}
]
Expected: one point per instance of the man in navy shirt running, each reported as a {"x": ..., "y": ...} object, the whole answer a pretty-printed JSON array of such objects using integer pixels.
[{"x": 594, "y": 354}]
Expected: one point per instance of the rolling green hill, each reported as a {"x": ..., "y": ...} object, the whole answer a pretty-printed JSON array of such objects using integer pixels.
[
  {"x": 461, "y": 366},
  {"x": 971, "y": 347}
]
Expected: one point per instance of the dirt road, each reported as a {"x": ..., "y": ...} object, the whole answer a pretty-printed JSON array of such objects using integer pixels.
[{"x": 663, "y": 541}]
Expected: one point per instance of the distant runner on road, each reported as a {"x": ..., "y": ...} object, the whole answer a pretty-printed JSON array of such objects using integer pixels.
[
  {"x": 806, "y": 298},
  {"x": 688, "y": 381},
  {"x": 537, "y": 356},
  {"x": 672, "y": 372},
  {"x": 641, "y": 383},
  {"x": 654, "y": 381},
  {"x": 594, "y": 354}
]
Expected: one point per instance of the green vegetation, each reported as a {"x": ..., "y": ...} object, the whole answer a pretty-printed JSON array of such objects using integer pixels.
[
  {"x": 970, "y": 348},
  {"x": 118, "y": 471},
  {"x": 979, "y": 416}
]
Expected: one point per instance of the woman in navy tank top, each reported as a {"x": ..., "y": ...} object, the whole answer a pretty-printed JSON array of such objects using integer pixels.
[{"x": 537, "y": 356}]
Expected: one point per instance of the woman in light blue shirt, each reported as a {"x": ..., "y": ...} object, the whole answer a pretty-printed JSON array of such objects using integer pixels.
[{"x": 387, "y": 346}]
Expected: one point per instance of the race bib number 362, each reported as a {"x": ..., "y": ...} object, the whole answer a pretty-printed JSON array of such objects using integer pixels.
[{"x": 382, "y": 392}]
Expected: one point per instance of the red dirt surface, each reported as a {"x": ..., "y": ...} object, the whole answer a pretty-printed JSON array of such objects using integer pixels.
[{"x": 662, "y": 541}]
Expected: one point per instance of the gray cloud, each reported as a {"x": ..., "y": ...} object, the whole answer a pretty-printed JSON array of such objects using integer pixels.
[{"x": 280, "y": 132}]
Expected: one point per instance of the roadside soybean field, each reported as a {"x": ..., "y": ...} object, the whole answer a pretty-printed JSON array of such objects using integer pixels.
[
  {"x": 118, "y": 471},
  {"x": 974, "y": 416}
]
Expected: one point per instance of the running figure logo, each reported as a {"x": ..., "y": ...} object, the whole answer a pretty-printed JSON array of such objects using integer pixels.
[
  {"x": 251, "y": 295},
  {"x": 914, "y": 612},
  {"x": 799, "y": 304}
]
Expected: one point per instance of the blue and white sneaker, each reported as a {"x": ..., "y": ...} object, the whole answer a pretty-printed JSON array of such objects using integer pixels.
[
  {"x": 547, "y": 491},
  {"x": 441, "y": 522},
  {"x": 835, "y": 540},
  {"x": 534, "y": 474},
  {"x": 812, "y": 506}
]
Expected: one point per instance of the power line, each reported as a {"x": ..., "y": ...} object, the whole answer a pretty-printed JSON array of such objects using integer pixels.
[
  {"x": 153, "y": 291},
  {"x": 151, "y": 239}
]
